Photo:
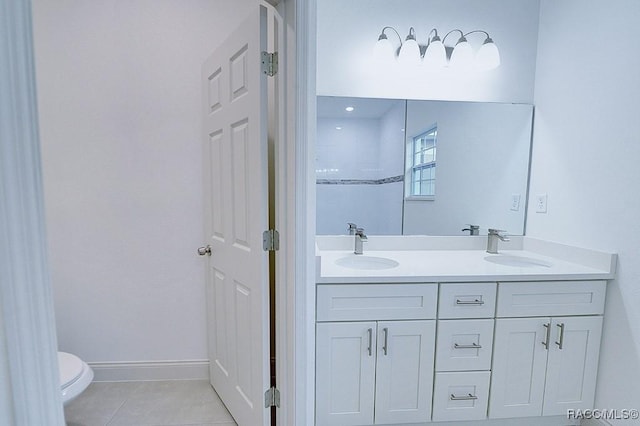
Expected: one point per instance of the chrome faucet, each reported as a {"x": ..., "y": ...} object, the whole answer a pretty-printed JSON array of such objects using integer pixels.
[
  {"x": 473, "y": 229},
  {"x": 360, "y": 238},
  {"x": 492, "y": 240},
  {"x": 352, "y": 228}
]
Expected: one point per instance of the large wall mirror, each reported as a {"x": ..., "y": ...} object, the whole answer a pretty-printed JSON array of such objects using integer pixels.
[{"x": 421, "y": 167}]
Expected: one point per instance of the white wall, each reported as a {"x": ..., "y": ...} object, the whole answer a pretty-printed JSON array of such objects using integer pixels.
[
  {"x": 482, "y": 159},
  {"x": 119, "y": 103},
  {"x": 348, "y": 30},
  {"x": 585, "y": 157}
]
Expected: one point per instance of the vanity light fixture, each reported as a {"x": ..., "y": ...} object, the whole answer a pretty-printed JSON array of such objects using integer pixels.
[
  {"x": 383, "y": 50},
  {"x": 462, "y": 55},
  {"x": 435, "y": 55},
  {"x": 435, "y": 51},
  {"x": 410, "y": 50},
  {"x": 488, "y": 57}
]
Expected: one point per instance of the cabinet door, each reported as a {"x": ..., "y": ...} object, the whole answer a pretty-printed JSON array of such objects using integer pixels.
[
  {"x": 572, "y": 366},
  {"x": 345, "y": 373},
  {"x": 404, "y": 375},
  {"x": 519, "y": 365}
]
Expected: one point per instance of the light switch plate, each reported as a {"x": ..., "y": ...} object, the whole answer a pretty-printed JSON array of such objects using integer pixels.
[
  {"x": 541, "y": 203},
  {"x": 515, "y": 202}
]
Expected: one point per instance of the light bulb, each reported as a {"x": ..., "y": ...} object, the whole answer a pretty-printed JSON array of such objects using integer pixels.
[
  {"x": 462, "y": 56},
  {"x": 409, "y": 51},
  {"x": 383, "y": 50},
  {"x": 488, "y": 56},
  {"x": 436, "y": 54}
]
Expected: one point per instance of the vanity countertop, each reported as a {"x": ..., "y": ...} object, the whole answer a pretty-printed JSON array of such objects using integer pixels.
[{"x": 457, "y": 259}]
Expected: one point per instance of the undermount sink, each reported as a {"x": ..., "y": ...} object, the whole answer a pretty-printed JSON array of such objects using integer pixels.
[
  {"x": 355, "y": 261},
  {"x": 517, "y": 261}
]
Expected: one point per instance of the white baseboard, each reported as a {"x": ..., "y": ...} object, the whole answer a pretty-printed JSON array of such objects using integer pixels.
[{"x": 150, "y": 370}]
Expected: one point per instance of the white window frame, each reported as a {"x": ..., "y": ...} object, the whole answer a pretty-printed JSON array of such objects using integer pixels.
[{"x": 412, "y": 167}]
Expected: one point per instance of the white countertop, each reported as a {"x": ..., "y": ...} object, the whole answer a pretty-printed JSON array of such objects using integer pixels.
[{"x": 460, "y": 261}]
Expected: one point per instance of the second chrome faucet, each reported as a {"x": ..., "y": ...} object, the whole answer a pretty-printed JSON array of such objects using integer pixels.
[
  {"x": 492, "y": 240},
  {"x": 360, "y": 238}
]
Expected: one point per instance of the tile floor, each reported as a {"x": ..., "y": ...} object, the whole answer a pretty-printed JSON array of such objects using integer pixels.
[{"x": 162, "y": 403}]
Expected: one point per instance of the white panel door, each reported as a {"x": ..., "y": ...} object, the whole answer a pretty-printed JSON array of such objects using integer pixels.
[
  {"x": 345, "y": 373},
  {"x": 236, "y": 214},
  {"x": 404, "y": 374},
  {"x": 572, "y": 366},
  {"x": 519, "y": 366}
]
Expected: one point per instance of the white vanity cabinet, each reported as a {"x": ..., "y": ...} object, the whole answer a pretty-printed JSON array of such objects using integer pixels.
[
  {"x": 511, "y": 349},
  {"x": 546, "y": 364},
  {"x": 372, "y": 369},
  {"x": 374, "y": 372}
]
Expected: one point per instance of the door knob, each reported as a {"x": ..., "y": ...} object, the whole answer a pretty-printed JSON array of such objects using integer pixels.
[{"x": 204, "y": 250}]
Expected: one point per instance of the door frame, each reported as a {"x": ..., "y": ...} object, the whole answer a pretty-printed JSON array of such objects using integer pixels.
[
  {"x": 30, "y": 390},
  {"x": 300, "y": 17}
]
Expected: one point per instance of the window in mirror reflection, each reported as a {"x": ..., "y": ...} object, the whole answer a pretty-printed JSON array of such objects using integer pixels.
[{"x": 421, "y": 165}]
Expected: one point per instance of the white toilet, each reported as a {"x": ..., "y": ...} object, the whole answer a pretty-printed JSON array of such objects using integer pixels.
[{"x": 75, "y": 376}]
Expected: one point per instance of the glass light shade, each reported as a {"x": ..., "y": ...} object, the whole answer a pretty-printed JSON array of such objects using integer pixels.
[
  {"x": 462, "y": 55},
  {"x": 409, "y": 52},
  {"x": 436, "y": 55},
  {"x": 383, "y": 50},
  {"x": 488, "y": 56}
]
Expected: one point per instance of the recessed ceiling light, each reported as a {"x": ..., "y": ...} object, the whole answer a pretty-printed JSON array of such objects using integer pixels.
[
  {"x": 338, "y": 128},
  {"x": 349, "y": 108}
]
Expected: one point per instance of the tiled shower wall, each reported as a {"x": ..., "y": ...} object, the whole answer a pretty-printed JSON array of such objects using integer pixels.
[{"x": 359, "y": 171}]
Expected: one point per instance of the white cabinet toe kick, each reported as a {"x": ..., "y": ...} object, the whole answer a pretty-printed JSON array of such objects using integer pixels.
[{"x": 396, "y": 353}]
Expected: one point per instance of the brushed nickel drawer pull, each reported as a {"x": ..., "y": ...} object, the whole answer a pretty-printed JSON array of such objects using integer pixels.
[
  {"x": 477, "y": 302},
  {"x": 545, "y": 342},
  {"x": 561, "y": 338},
  {"x": 463, "y": 398},
  {"x": 386, "y": 338},
  {"x": 471, "y": 346}
]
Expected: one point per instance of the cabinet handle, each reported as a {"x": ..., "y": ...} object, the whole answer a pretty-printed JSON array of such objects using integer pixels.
[
  {"x": 561, "y": 337},
  {"x": 471, "y": 346},
  {"x": 545, "y": 342},
  {"x": 469, "y": 302},
  {"x": 463, "y": 398},
  {"x": 370, "y": 332},
  {"x": 386, "y": 338}
]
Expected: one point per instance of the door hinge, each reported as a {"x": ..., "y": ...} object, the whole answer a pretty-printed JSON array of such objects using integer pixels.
[
  {"x": 271, "y": 240},
  {"x": 272, "y": 397},
  {"x": 270, "y": 63}
]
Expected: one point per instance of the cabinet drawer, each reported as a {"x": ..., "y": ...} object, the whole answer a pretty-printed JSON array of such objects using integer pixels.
[
  {"x": 344, "y": 302},
  {"x": 467, "y": 300},
  {"x": 461, "y": 396},
  {"x": 546, "y": 298},
  {"x": 464, "y": 345}
]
